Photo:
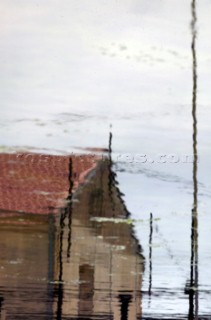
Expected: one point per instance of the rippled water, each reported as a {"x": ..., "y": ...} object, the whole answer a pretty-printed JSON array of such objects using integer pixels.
[{"x": 69, "y": 70}]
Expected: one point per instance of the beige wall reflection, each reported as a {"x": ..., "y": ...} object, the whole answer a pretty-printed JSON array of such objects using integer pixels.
[
  {"x": 24, "y": 266},
  {"x": 98, "y": 265}
]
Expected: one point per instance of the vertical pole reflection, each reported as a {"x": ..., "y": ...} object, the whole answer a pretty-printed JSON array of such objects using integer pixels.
[
  {"x": 193, "y": 290},
  {"x": 60, "y": 285},
  {"x": 66, "y": 212},
  {"x": 111, "y": 175},
  {"x": 51, "y": 262},
  {"x": 69, "y": 207},
  {"x": 150, "y": 256}
]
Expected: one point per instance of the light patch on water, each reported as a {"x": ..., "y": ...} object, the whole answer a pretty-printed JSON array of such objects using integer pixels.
[{"x": 115, "y": 220}]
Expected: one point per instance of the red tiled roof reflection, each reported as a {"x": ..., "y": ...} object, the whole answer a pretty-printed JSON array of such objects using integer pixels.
[{"x": 37, "y": 183}]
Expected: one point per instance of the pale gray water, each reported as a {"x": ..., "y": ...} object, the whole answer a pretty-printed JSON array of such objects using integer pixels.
[{"x": 69, "y": 69}]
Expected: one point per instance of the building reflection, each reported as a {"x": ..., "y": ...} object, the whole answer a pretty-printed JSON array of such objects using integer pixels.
[
  {"x": 75, "y": 255},
  {"x": 24, "y": 266},
  {"x": 101, "y": 275}
]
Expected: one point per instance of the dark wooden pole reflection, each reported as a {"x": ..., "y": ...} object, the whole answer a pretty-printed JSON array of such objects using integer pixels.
[
  {"x": 193, "y": 288},
  {"x": 111, "y": 177},
  {"x": 69, "y": 207},
  {"x": 60, "y": 279},
  {"x": 150, "y": 256},
  {"x": 66, "y": 213},
  {"x": 51, "y": 262}
]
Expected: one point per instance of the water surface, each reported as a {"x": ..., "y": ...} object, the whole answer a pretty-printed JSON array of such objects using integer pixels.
[{"x": 70, "y": 69}]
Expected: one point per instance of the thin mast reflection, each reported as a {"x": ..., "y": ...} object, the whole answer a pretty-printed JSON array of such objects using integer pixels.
[
  {"x": 66, "y": 212},
  {"x": 193, "y": 289},
  {"x": 150, "y": 257},
  {"x": 111, "y": 177},
  {"x": 69, "y": 207}
]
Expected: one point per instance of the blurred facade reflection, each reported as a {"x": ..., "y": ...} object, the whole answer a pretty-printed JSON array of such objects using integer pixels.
[
  {"x": 102, "y": 276},
  {"x": 80, "y": 260}
]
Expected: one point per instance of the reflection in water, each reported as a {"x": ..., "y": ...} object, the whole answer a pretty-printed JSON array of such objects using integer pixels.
[
  {"x": 24, "y": 267},
  {"x": 69, "y": 207},
  {"x": 102, "y": 278},
  {"x": 150, "y": 256},
  {"x": 193, "y": 287},
  {"x": 59, "y": 290},
  {"x": 86, "y": 290},
  {"x": 1, "y": 306},
  {"x": 125, "y": 300},
  {"x": 111, "y": 175},
  {"x": 65, "y": 213},
  {"x": 72, "y": 264}
]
